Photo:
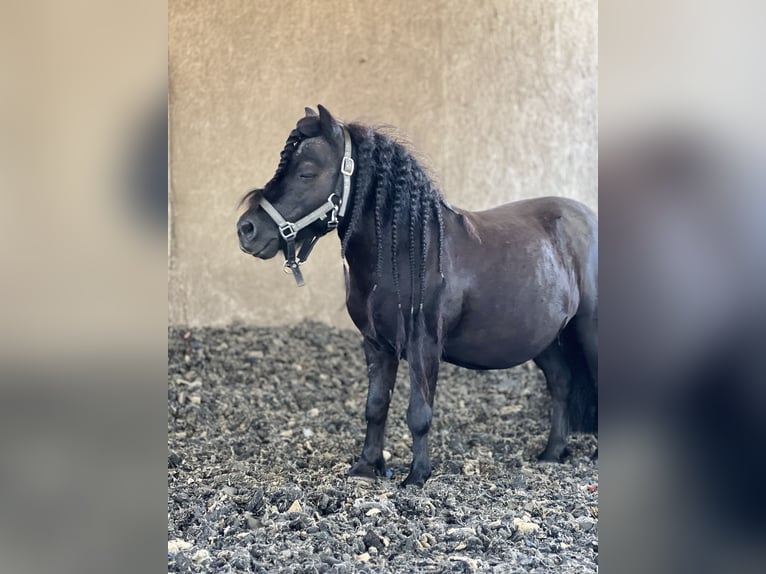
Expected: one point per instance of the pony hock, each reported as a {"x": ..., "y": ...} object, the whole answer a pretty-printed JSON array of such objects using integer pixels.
[{"x": 428, "y": 282}]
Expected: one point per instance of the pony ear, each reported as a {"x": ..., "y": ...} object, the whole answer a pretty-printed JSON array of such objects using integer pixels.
[
  {"x": 310, "y": 113},
  {"x": 329, "y": 126},
  {"x": 309, "y": 126}
]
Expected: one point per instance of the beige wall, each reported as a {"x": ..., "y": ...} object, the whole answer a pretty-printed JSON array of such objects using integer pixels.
[{"x": 500, "y": 96}]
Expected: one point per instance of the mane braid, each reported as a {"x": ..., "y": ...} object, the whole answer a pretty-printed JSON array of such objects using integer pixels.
[
  {"x": 403, "y": 187},
  {"x": 440, "y": 219},
  {"x": 285, "y": 155},
  {"x": 380, "y": 199},
  {"x": 383, "y": 158},
  {"x": 395, "y": 244},
  {"x": 425, "y": 204},
  {"x": 253, "y": 196},
  {"x": 362, "y": 180},
  {"x": 415, "y": 193}
]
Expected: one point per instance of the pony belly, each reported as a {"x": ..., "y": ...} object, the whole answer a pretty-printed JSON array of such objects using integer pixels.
[
  {"x": 491, "y": 353},
  {"x": 481, "y": 366},
  {"x": 501, "y": 339}
]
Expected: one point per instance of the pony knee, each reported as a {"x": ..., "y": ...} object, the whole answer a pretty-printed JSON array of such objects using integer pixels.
[
  {"x": 419, "y": 419},
  {"x": 377, "y": 407},
  {"x": 560, "y": 388},
  {"x": 559, "y": 381}
]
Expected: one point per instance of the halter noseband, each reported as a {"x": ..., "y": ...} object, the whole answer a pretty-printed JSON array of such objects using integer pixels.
[{"x": 329, "y": 210}]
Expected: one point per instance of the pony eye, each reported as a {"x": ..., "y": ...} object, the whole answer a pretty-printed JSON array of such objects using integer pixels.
[{"x": 307, "y": 175}]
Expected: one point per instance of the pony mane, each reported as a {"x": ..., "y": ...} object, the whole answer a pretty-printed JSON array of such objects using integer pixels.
[
  {"x": 391, "y": 179},
  {"x": 254, "y": 195}
]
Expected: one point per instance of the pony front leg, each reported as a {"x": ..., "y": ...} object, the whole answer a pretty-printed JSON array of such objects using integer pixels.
[
  {"x": 423, "y": 375},
  {"x": 381, "y": 371}
]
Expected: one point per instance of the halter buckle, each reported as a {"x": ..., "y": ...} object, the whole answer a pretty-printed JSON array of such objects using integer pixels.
[
  {"x": 347, "y": 166},
  {"x": 332, "y": 221},
  {"x": 287, "y": 231},
  {"x": 289, "y": 266}
]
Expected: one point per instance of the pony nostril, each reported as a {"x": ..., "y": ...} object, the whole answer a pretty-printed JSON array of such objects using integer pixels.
[{"x": 246, "y": 229}]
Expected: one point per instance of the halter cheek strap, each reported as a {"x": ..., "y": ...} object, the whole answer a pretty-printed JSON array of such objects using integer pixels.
[{"x": 333, "y": 209}]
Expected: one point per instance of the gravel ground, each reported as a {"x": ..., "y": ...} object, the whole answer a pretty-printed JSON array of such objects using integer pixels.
[{"x": 264, "y": 423}]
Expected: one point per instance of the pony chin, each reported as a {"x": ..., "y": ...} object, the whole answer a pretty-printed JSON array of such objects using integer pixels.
[{"x": 269, "y": 250}]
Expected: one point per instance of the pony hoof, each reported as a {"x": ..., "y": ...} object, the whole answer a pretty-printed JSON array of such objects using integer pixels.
[
  {"x": 364, "y": 469},
  {"x": 415, "y": 479},
  {"x": 553, "y": 455},
  {"x": 410, "y": 481}
]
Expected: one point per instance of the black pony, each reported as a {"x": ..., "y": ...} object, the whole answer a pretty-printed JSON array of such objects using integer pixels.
[{"x": 427, "y": 282}]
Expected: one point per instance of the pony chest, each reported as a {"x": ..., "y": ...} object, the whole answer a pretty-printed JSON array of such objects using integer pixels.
[{"x": 373, "y": 309}]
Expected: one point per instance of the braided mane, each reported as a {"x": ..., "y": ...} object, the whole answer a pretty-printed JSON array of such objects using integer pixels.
[
  {"x": 391, "y": 182},
  {"x": 252, "y": 197}
]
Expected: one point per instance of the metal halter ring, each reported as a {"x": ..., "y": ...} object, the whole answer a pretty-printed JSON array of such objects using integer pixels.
[
  {"x": 332, "y": 220},
  {"x": 347, "y": 166},
  {"x": 287, "y": 231},
  {"x": 287, "y": 268}
]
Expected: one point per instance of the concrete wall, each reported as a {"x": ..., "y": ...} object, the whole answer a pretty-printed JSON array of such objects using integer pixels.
[{"x": 500, "y": 97}]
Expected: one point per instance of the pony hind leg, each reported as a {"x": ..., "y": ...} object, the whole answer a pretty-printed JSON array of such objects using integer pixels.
[
  {"x": 570, "y": 366},
  {"x": 381, "y": 371},
  {"x": 583, "y": 403},
  {"x": 585, "y": 325},
  {"x": 558, "y": 376}
]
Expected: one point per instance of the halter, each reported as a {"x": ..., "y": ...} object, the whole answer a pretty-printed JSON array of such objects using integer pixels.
[{"x": 332, "y": 210}]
